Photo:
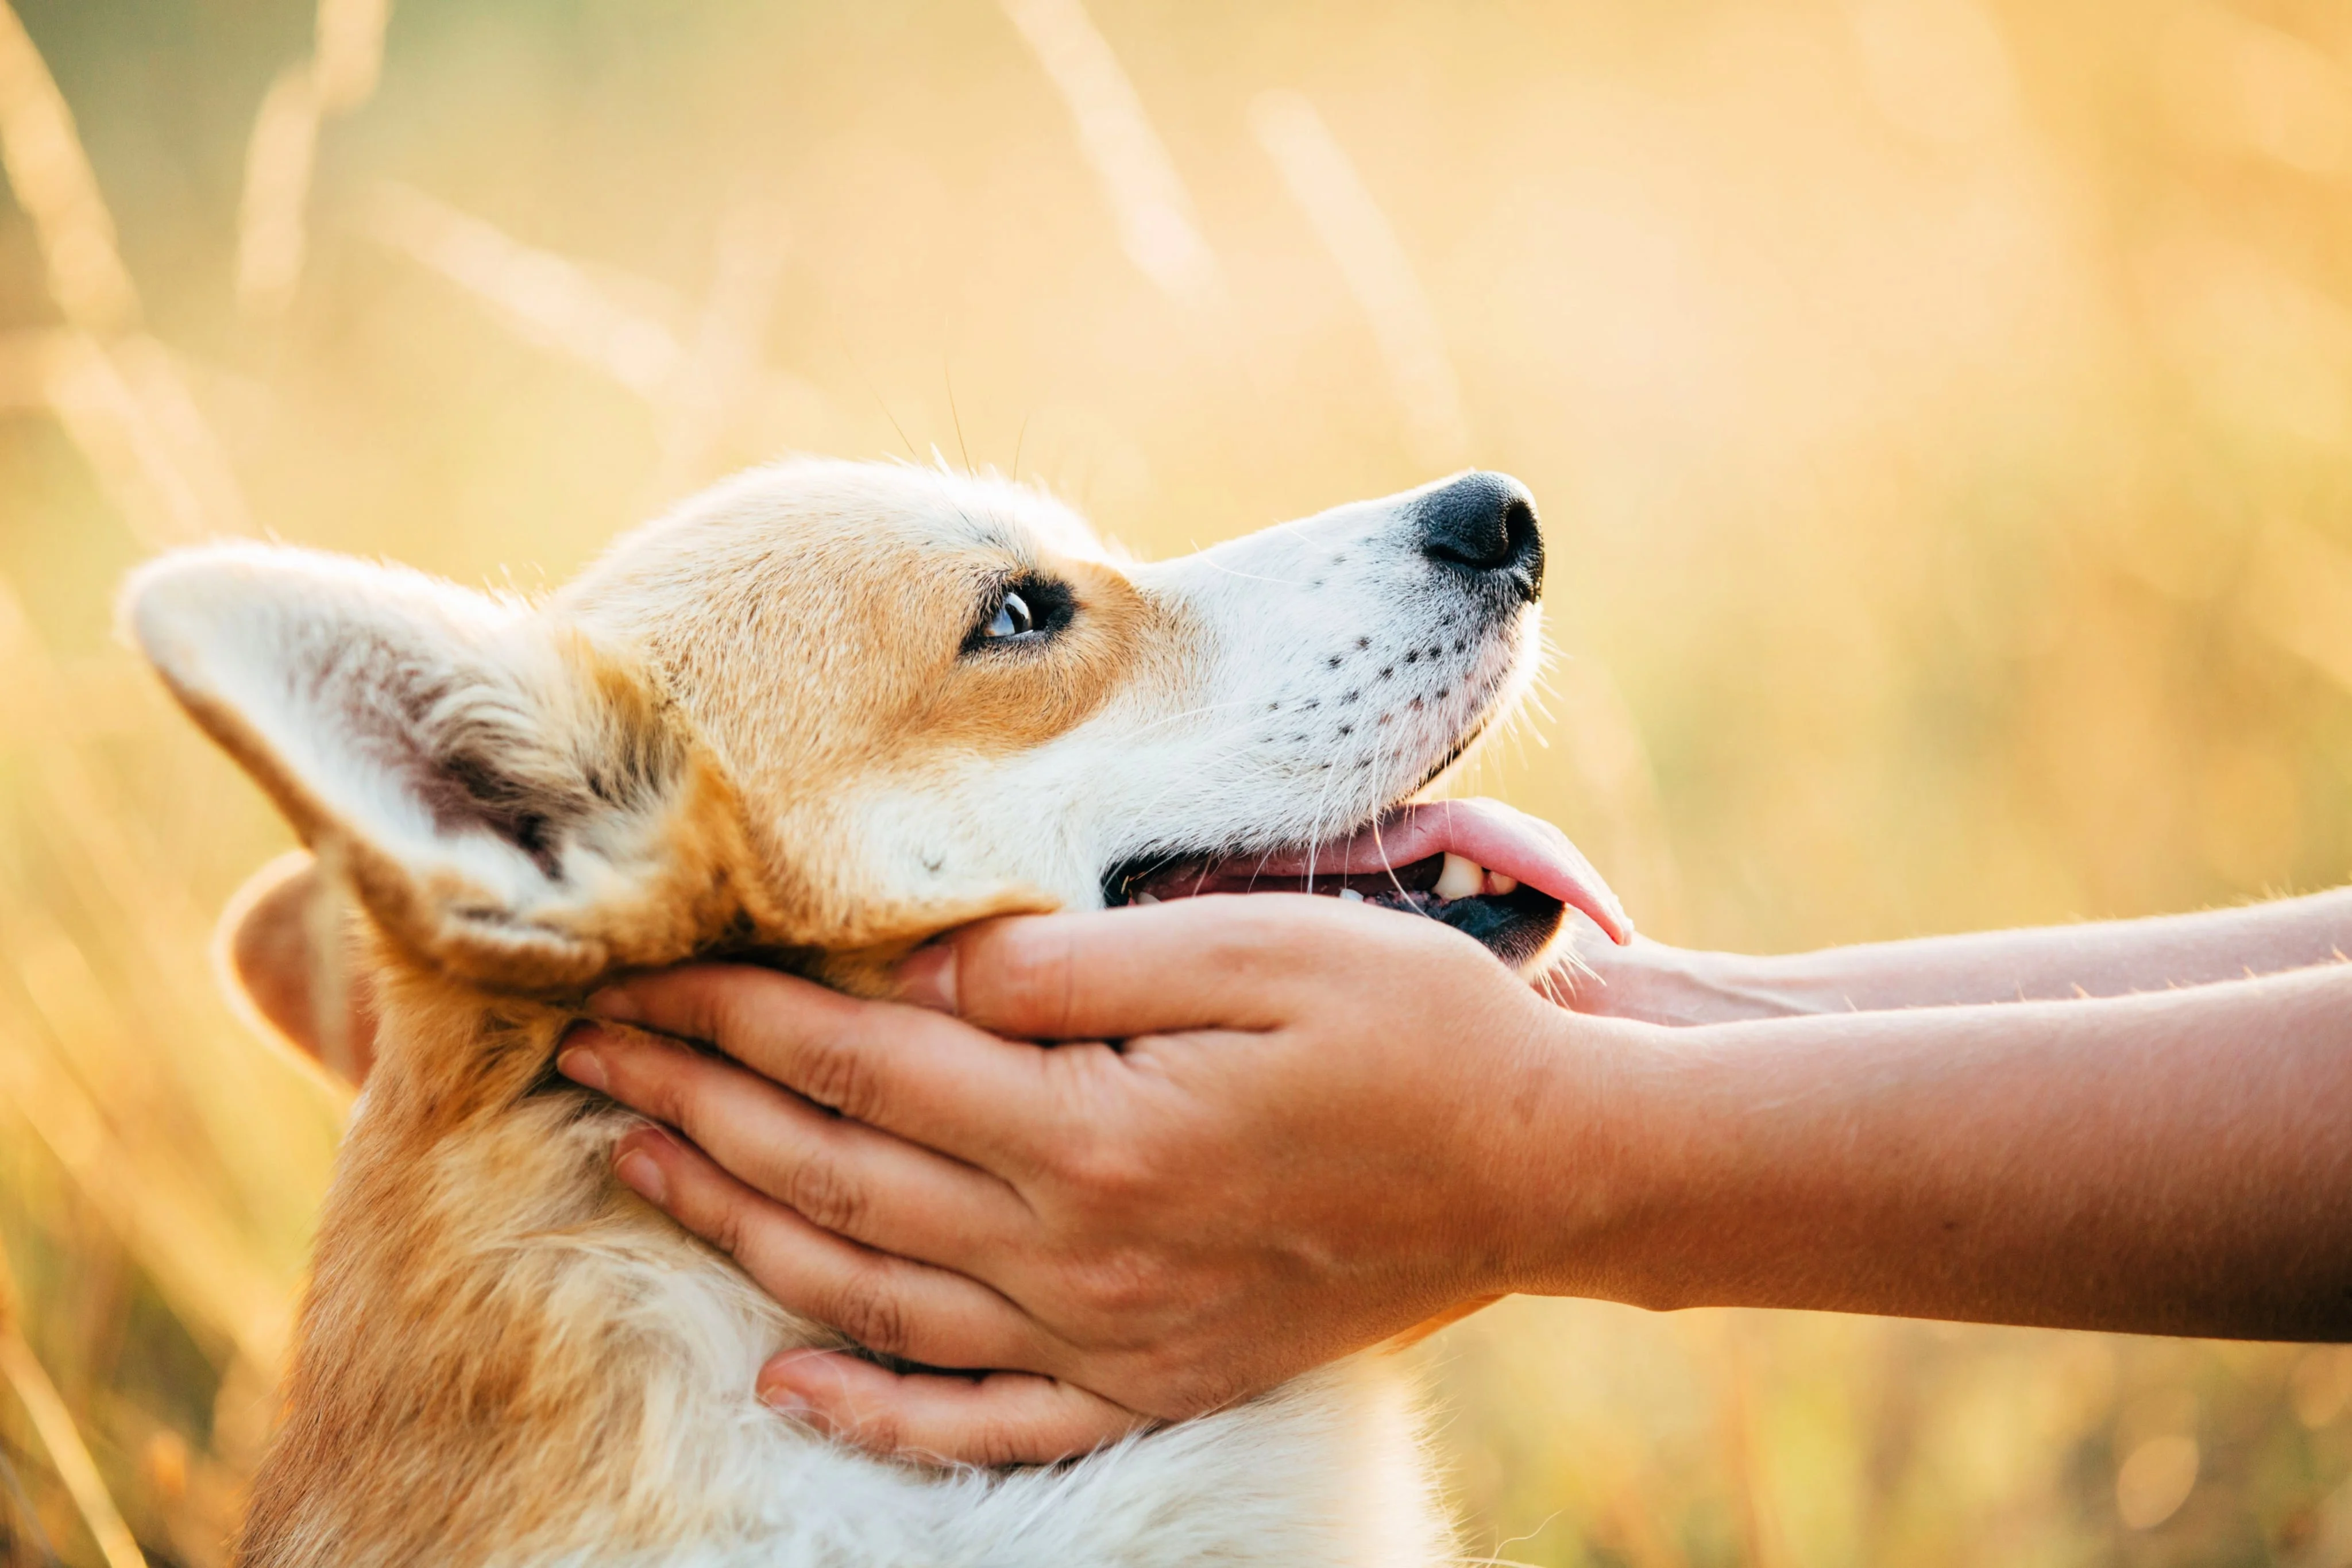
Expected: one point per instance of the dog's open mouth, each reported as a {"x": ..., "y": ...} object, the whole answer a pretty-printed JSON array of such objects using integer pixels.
[{"x": 1482, "y": 868}]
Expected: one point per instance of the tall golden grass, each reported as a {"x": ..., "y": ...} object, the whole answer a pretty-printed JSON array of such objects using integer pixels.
[{"x": 1942, "y": 413}]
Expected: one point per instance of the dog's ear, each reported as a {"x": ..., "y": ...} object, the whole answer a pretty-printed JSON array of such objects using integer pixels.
[
  {"x": 509, "y": 803},
  {"x": 280, "y": 953}
]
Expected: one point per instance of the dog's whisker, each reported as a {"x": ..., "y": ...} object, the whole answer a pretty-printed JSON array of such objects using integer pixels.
[{"x": 1250, "y": 576}]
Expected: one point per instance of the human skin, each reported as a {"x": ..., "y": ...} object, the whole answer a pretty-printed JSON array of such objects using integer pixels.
[
  {"x": 1666, "y": 984},
  {"x": 1329, "y": 1123}
]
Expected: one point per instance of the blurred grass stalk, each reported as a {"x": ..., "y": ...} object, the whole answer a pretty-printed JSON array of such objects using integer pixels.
[
  {"x": 346, "y": 61},
  {"x": 175, "y": 1134},
  {"x": 46, "y": 1410},
  {"x": 1156, "y": 219},
  {"x": 1331, "y": 194},
  {"x": 700, "y": 386},
  {"x": 118, "y": 392},
  {"x": 139, "y": 1096}
]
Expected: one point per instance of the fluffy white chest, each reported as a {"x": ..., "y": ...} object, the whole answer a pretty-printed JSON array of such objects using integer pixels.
[{"x": 1325, "y": 1471}]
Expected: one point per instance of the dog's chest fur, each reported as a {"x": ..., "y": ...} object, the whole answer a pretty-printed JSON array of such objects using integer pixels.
[{"x": 532, "y": 1368}]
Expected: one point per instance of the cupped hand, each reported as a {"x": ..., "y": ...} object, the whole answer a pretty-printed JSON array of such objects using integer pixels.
[{"x": 1316, "y": 1125}]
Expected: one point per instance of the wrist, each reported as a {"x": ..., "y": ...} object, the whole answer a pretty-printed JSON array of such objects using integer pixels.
[{"x": 1587, "y": 1155}]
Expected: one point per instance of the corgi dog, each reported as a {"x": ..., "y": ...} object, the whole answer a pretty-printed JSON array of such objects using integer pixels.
[{"x": 811, "y": 718}]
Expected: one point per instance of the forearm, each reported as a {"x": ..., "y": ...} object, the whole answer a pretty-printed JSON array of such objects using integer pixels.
[
  {"x": 2177, "y": 1163},
  {"x": 2111, "y": 958}
]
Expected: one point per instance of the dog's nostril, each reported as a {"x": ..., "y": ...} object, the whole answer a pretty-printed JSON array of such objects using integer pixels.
[
  {"x": 1482, "y": 522},
  {"x": 1519, "y": 529}
]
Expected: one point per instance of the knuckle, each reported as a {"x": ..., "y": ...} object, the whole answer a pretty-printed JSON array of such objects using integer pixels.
[
  {"x": 881, "y": 1428},
  {"x": 842, "y": 1081},
  {"x": 725, "y": 1228},
  {"x": 657, "y": 1094},
  {"x": 1078, "y": 1167},
  {"x": 719, "y": 1018},
  {"x": 822, "y": 1193},
  {"x": 998, "y": 1441},
  {"x": 868, "y": 1311},
  {"x": 681, "y": 1094},
  {"x": 1071, "y": 1104},
  {"x": 1120, "y": 1283},
  {"x": 1031, "y": 982},
  {"x": 734, "y": 1017},
  {"x": 1108, "y": 1173},
  {"x": 995, "y": 1445},
  {"x": 690, "y": 1003}
]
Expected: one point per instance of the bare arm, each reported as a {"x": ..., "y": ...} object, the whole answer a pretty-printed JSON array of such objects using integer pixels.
[
  {"x": 1665, "y": 984},
  {"x": 1326, "y": 1124},
  {"x": 2173, "y": 1162}
]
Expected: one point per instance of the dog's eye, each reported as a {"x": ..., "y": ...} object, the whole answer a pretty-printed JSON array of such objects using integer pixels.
[
  {"x": 1025, "y": 613},
  {"x": 1013, "y": 618}
]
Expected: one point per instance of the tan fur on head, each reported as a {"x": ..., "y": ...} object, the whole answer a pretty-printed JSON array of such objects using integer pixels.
[{"x": 771, "y": 725}]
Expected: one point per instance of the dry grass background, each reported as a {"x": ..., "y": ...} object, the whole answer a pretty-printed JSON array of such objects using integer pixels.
[{"x": 1942, "y": 410}]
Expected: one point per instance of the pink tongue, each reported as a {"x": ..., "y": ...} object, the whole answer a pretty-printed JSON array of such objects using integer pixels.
[{"x": 1494, "y": 835}]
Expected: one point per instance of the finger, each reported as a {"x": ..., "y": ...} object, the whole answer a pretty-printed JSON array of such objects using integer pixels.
[
  {"x": 905, "y": 1069},
  {"x": 1003, "y": 1419},
  {"x": 1210, "y": 963},
  {"x": 889, "y": 1305},
  {"x": 839, "y": 1174}
]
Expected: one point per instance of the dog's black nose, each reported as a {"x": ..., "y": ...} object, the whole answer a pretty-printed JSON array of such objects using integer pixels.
[{"x": 1484, "y": 523}]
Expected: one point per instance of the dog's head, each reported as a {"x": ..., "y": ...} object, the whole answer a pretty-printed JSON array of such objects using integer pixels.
[{"x": 828, "y": 710}]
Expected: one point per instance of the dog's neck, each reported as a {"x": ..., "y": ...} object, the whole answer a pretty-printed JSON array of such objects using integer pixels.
[{"x": 490, "y": 1316}]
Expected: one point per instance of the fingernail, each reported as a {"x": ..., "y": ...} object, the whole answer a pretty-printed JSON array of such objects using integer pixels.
[
  {"x": 615, "y": 1002},
  {"x": 642, "y": 1176},
  {"x": 579, "y": 1063},
  {"x": 926, "y": 977}
]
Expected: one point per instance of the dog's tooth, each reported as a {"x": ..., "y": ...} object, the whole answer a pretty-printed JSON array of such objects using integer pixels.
[
  {"x": 1459, "y": 879},
  {"x": 1144, "y": 898},
  {"x": 1498, "y": 884},
  {"x": 1352, "y": 896}
]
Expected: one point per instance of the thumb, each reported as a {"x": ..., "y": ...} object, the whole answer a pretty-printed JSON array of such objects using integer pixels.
[{"x": 1219, "y": 962}]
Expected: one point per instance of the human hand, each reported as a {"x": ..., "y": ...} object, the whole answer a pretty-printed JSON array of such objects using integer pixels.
[
  {"x": 1656, "y": 982},
  {"x": 1326, "y": 1125}
]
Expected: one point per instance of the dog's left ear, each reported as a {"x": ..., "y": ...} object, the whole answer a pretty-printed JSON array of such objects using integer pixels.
[{"x": 511, "y": 803}]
